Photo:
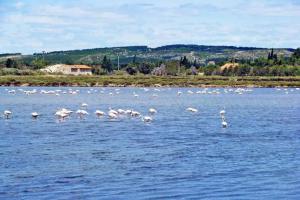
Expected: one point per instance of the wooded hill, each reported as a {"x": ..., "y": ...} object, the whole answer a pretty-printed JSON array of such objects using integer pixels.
[{"x": 202, "y": 54}]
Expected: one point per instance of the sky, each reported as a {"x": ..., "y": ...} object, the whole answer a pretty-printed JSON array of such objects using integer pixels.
[{"x": 31, "y": 26}]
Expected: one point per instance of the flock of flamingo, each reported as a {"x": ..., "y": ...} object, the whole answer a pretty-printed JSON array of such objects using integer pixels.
[{"x": 112, "y": 114}]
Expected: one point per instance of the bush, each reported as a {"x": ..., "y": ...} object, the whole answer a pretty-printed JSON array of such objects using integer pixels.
[
  {"x": 19, "y": 72},
  {"x": 99, "y": 71},
  {"x": 131, "y": 70},
  {"x": 120, "y": 73},
  {"x": 8, "y": 71},
  {"x": 144, "y": 68}
]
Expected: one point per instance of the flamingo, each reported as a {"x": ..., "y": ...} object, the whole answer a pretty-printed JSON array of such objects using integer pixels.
[
  {"x": 121, "y": 111},
  {"x": 152, "y": 111},
  {"x": 7, "y": 114},
  {"x": 82, "y": 113},
  {"x": 135, "y": 114},
  {"x": 84, "y": 105},
  {"x": 128, "y": 112},
  {"x": 12, "y": 91},
  {"x": 224, "y": 124},
  {"x": 113, "y": 111},
  {"x": 222, "y": 112},
  {"x": 34, "y": 115},
  {"x": 147, "y": 119},
  {"x": 194, "y": 110},
  {"x": 99, "y": 113},
  {"x": 67, "y": 111},
  {"x": 112, "y": 115},
  {"x": 61, "y": 115}
]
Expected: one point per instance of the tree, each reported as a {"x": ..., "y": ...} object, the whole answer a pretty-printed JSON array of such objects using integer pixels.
[
  {"x": 144, "y": 68},
  {"x": 69, "y": 62},
  {"x": 242, "y": 70},
  {"x": 39, "y": 63},
  {"x": 296, "y": 54},
  {"x": 9, "y": 63},
  {"x": 106, "y": 64},
  {"x": 134, "y": 59},
  {"x": 275, "y": 57},
  {"x": 172, "y": 67},
  {"x": 130, "y": 70},
  {"x": 96, "y": 69},
  {"x": 210, "y": 69},
  {"x": 185, "y": 62},
  {"x": 272, "y": 54}
]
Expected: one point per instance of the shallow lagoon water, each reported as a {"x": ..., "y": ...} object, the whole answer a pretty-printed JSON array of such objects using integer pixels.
[{"x": 180, "y": 155}]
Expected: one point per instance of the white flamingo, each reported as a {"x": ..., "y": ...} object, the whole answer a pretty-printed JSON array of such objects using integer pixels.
[
  {"x": 194, "y": 110},
  {"x": 34, "y": 115},
  {"x": 112, "y": 115},
  {"x": 222, "y": 112},
  {"x": 128, "y": 112},
  {"x": 66, "y": 111},
  {"x": 121, "y": 111},
  {"x": 99, "y": 113},
  {"x": 135, "y": 113},
  {"x": 63, "y": 113},
  {"x": 224, "y": 124},
  {"x": 7, "y": 114},
  {"x": 113, "y": 111},
  {"x": 82, "y": 113},
  {"x": 152, "y": 111},
  {"x": 84, "y": 105},
  {"x": 147, "y": 119},
  {"x": 60, "y": 114}
]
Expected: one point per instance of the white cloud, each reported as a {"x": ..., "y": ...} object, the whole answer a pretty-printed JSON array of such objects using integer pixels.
[
  {"x": 19, "y": 4},
  {"x": 261, "y": 8},
  {"x": 84, "y": 24}
]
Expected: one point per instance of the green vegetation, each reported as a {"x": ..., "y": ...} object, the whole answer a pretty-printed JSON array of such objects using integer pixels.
[
  {"x": 19, "y": 72},
  {"x": 180, "y": 65},
  {"x": 196, "y": 55},
  {"x": 39, "y": 63}
]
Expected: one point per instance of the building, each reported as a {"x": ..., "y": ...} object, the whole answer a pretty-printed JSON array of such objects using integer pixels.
[
  {"x": 69, "y": 69},
  {"x": 229, "y": 66}
]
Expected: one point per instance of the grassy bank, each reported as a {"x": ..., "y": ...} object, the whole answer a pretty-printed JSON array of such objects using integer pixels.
[{"x": 146, "y": 81}]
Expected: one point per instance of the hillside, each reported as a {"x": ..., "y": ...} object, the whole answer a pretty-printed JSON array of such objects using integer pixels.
[{"x": 201, "y": 53}]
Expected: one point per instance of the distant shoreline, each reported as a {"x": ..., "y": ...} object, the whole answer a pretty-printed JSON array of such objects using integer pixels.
[{"x": 149, "y": 81}]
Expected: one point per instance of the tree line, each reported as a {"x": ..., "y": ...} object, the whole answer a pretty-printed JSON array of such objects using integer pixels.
[{"x": 271, "y": 65}]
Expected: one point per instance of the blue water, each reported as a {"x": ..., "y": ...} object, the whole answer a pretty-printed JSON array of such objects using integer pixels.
[{"x": 180, "y": 155}]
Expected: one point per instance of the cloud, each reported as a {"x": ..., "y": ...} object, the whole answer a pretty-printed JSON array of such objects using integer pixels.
[
  {"x": 71, "y": 24},
  {"x": 272, "y": 9},
  {"x": 19, "y": 4}
]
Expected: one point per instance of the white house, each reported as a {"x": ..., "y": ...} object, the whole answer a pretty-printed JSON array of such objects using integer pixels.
[{"x": 69, "y": 69}]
